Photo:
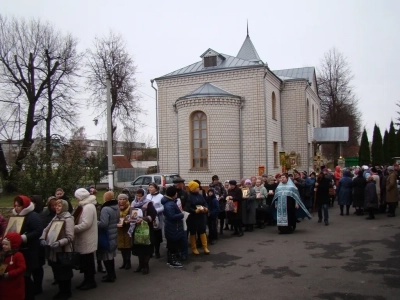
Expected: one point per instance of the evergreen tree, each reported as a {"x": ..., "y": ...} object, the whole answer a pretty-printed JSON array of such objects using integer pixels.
[
  {"x": 398, "y": 142},
  {"x": 386, "y": 147},
  {"x": 364, "y": 155},
  {"x": 392, "y": 149},
  {"x": 377, "y": 148}
]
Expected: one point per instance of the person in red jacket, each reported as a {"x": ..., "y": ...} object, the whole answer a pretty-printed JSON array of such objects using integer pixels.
[{"x": 12, "y": 279}]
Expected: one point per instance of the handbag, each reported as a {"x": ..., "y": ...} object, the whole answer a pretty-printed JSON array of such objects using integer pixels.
[
  {"x": 70, "y": 259},
  {"x": 103, "y": 240},
  {"x": 142, "y": 234},
  {"x": 331, "y": 191}
]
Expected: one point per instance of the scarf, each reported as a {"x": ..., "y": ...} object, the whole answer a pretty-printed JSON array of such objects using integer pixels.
[
  {"x": 141, "y": 202},
  {"x": 281, "y": 193}
]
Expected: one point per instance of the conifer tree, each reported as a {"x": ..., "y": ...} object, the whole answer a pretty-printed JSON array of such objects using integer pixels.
[
  {"x": 398, "y": 142},
  {"x": 386, "y": 147},
  {"x": 364, "y": 155},
  {"x": 392, "y": 148},
  {"x": 377, "y": 148}
]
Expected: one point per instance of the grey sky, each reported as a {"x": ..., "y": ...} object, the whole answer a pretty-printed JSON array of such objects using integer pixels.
[{"x": 166, "y": 35}]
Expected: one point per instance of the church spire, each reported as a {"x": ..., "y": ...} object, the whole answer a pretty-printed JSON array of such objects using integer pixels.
[
  {"x": 248, "y": 51},
  {"x": 247, "y": 27}
]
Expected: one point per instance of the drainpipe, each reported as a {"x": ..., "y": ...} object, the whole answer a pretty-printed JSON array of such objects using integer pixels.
[
  {"x": 266, "y": 125},
  {"x": 241, "y": 135},
  {"x": 177, "y": 136},
  {"x": 307, "y": 114},
  {"x": 158, "y": 151}
]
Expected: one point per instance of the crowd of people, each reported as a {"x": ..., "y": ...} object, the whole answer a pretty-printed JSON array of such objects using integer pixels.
[{"x": 137, "y": 224}]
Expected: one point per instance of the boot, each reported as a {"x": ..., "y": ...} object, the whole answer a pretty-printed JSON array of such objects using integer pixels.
[
  {"x": 140, "y": 266},
  {"x": 240, "y": 231},
  {"x": 109, "y": 264},
  {"x": 123, "y": 265},
  {"x": 175, "y": 263},
  {"x": 203, "y": 239},
  {"x": 347, "y": 209},
  {"x": 341, "y": 210},
  {"x": 169, "y": 257},
  {"x": 157, "y": 251},
  {"x": 128, "y": 264},
  {"x": 193, "y": 244}
]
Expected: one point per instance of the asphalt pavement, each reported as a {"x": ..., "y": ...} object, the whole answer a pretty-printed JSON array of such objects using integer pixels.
[{"x": 350, "y": 259}]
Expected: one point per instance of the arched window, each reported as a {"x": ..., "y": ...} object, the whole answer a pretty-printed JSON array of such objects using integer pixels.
[
  {"x": 199, "y": 142},
  {"x": 313, "y": 116},
  {"x": 273, "y": 106},
  {"x": 308, "y": 111}
]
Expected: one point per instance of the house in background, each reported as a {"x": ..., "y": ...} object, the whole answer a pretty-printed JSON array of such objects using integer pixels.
[{"x": 232, "y": 115}]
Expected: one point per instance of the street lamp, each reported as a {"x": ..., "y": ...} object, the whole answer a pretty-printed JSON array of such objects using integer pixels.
[{"x": 152, "y": 81}]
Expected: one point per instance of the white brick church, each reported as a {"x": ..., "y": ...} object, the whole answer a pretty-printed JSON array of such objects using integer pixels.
[{"x": 231, "y": 116}]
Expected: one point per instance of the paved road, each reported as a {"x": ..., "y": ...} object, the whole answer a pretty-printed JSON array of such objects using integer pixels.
[{"x": 351, "y": 259}]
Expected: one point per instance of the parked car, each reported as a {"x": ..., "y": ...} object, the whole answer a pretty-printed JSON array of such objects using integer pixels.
[{"x": 162, "y": 180}]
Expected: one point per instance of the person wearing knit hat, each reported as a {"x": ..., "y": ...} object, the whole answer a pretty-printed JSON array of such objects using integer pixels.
[
  {"x": 86, "y": 236},
  {"x": 12, "y": 280},
  {"x": 234, "y": 201},
  {"x": 220, "y": 194},
  {"x": 62, "y": 273},
  {"x": 32, "y": 228},
  {"x": 197, "y": 219}
]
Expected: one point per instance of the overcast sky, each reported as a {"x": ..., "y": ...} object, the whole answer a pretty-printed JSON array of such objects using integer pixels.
[{"x": 164, "y": 36}]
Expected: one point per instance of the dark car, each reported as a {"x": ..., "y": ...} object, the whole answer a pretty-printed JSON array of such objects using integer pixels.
[{"x": 162, "y": 180}]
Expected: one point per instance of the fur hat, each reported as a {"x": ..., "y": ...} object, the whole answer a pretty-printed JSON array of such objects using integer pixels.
[
  {"x": 108, "y": 196},
  {"x": 26, "y": 201},
  {"x": 81, "y": 194},
  {"x": 178, "y": 180},
  {"x": 14, "y": 238},
  {"x": 193, "y": 185},
  {"x": 232, "y": 182},
  {"x": 215, "y": 177}
]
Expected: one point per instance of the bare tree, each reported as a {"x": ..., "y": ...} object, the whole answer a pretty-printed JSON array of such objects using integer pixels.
[
  {"x": 338, "y": 101},
  {"x": 110, "y": 59},
  {"x": 32, "y": 58}
]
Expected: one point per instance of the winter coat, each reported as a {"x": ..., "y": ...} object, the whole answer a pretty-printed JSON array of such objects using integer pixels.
[
  {"x": 173, "y": 220},
  {"x": 219, "y": 189},
  {"x": 392, "y": 194},
  {"x": 66, "y": 236},
  {"x": 196, "y": 221},
  {"x": 109, "y": 218},
  {"x": 183, "y": 196},
  {"x": 263, "y": 195},
  {"x": 270, "y": 187},
  {"x": 337, "y": 175},
  {"x": 156, "y": 199},
  {"x": 124, "y": 240},
  {"x": 237, "y": 198},
  {"x": 323, "y": 191},
  {"x": 345, "y": 189},
  {"x": 359, "y": 184},
  {"x": 13, "y": 286},
  {"x": 32, "y": 228},
  {"x": 86, "y": 227},
  {"x": 370, "y": 196},
  {"x": 249, "y": 207},
  {"x": 213, "y": 206}
]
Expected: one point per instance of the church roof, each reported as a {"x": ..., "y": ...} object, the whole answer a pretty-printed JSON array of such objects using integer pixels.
[
  {"x": 230, "y": 62},
  {"x": 248, "y": 51},
  {"x": 207, "y": 90},
  {"x": 297, "y": 73}
]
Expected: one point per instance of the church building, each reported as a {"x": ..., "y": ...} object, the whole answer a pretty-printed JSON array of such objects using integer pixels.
[{"x": 233, "y": 116}]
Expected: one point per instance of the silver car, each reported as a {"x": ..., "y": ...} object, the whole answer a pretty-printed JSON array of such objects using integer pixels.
[{"x": 162, "y": 180}]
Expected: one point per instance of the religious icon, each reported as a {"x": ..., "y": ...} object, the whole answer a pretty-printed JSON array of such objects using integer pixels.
[
  {"x": 14, "y": 224},
  {"x": 245, "y": 192},
  {"x": 54, "y": 231}
]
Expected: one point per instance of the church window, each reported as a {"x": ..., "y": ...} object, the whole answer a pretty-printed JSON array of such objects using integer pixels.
[
  {"x": 313, "y": 116},
  {"x": 210, "y": 61},
  {"x": 273, "y": 106},
  {"x": 199, "y": 142},
  {"x": 308, "y": 112}
]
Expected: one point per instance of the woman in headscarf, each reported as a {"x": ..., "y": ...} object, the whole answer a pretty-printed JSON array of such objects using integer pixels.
[
  {"x": 31, "y": 231},
  {"x": 148, "y": 214},
  {"x": 124, "y": 241},
  {"x": 371, "y": 199},
  {"x": 109, "y": 217},
  {"x": 155, "y": 196},
  {"x": 249, "y": 206},
  {"x": 60, "y": 194},
  {"x": 196, "y": 222},
  {"x": 62, "y": 274},
  {"x": 344, "y": 192},
  {"x": 235, "y": 197},
  {"x": 285, "y": 203},
  {"x": 86, "y": 236},
  {"x": 359, "y": 184}
]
